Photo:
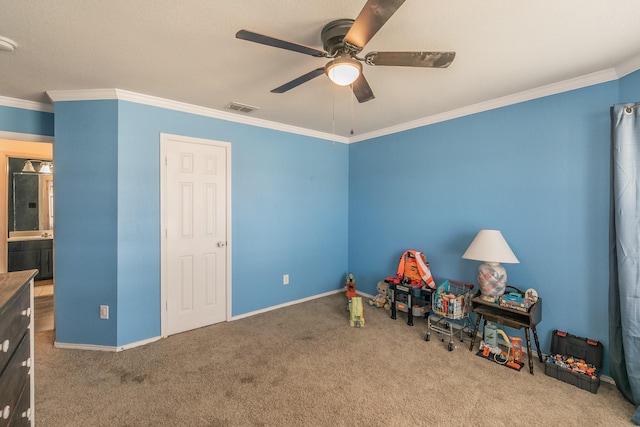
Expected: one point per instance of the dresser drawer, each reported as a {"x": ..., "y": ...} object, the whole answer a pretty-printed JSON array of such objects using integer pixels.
[
  {"x": 15, "y": 317},
  {"x": 13, "y": 379},
  {"x": 22, "y": 414}
]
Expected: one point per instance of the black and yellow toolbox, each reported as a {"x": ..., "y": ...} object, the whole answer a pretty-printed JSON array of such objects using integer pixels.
[{"x": 575, "y": 360}]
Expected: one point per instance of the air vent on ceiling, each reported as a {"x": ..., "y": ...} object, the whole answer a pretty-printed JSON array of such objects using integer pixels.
[{"x": 243, "y": 108}]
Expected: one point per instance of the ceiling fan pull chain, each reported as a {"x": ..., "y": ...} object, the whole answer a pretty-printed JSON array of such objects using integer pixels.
[
  {"x": 333, "y": 111},
  {"x": 352, "y": 112}
]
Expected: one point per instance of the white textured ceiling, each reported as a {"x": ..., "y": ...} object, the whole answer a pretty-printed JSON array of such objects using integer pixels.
[{"x": 187, "y": 51}]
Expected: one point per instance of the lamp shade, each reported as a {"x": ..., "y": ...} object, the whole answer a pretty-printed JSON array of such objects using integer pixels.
[{"x": 490, "y": 246}]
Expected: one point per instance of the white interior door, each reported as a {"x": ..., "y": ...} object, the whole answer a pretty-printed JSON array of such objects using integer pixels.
[{"x": 195, "y": 249}]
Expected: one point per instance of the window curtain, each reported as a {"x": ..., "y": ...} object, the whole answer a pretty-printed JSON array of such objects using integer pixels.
[{"x": 624, "y": 263}]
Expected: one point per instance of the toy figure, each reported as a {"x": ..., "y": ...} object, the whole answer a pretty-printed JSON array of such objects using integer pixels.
[
  {"x": 351, "y": 286},
  {"x": 381, "y": 300}
]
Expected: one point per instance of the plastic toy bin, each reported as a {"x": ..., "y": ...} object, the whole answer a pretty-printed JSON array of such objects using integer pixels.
[{"x": 575, "y": 360}]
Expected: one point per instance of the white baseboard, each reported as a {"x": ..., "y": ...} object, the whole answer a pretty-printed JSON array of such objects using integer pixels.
[
  {"x": 607, "y": 379},
  {"x": 114, "y": 349},
  {"x": 72, "y": 346},
  {"x": 286, "y": 304},
  {"x": 92, "y": 347},
  {"x": 364, "y": 294},
  {"x": 298, "y": 301}
]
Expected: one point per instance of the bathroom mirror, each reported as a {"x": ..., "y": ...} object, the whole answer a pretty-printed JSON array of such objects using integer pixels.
[{"x": 30, "y": 199}]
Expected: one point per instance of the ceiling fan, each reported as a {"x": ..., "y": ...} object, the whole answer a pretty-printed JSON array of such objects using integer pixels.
[{"x": 343, "y": 40}]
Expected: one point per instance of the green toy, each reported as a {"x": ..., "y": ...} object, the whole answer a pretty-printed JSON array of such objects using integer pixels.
[{"x": 356, "y": 312}]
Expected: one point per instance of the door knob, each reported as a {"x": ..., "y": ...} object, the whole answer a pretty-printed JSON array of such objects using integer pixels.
[{"x": 222, "y": 244}]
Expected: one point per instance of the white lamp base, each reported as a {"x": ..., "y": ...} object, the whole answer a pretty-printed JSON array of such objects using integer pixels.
[{"x": 492, "y": 279}]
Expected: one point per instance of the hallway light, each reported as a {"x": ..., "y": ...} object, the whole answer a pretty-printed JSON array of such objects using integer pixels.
[
  {"x": 44, "y": 167},
  {"x": 28, "y": 167}
]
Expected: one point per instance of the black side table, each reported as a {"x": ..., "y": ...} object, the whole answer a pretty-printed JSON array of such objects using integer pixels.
[{"x": 493, "y": 312}]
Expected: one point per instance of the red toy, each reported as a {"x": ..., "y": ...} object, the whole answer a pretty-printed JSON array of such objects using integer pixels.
[{"x": 351, "y": 286}]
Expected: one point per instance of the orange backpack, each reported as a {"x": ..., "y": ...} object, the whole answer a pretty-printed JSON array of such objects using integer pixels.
[{"x": 414, "y": 269}]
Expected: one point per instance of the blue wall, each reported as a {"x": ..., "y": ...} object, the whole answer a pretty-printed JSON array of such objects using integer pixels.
[
  {"x": 289, "y": 216},
  {"x": 630, "y": 88},
  {"x": 538, "y": 171},
  {"x": 86, "y": 223},
  {"x": 20, "y": 120}
]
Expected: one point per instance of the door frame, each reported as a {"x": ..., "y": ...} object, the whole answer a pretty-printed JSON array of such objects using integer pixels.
[
  {"x": 11, "y": 146},
  {"x": 164, "y": 140}
]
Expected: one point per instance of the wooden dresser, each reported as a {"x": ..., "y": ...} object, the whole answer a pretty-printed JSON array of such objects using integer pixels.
[{"x": 16, "y": 348}]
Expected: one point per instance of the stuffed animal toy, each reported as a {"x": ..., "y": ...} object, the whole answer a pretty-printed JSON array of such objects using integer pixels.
[{"x": 381, "y": 300}]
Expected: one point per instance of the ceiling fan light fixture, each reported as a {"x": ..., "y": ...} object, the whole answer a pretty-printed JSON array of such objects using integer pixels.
[
  {"x": 342, "y": 41},
  {"x": 343, "y": 70}
]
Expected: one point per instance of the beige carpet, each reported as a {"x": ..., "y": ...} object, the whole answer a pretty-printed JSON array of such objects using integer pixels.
[{"x": 304, "y": 366}]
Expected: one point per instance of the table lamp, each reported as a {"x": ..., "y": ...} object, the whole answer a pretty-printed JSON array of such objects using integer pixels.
[{"x": 490, "y": 247}]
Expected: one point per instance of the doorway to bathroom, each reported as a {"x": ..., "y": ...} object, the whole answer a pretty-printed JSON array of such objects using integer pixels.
[{"x": 26, "y": 198}]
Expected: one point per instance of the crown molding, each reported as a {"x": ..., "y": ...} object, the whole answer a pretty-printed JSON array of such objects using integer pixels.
[
  {"x": 25, "y": 105},
  {"x": 623, "y": 69},
  {"x": 628, "y": 66},
  {"x": 82, "y": 95},
  {"x": 123, "y": 95},
  {"x": 528, "y": 95}
]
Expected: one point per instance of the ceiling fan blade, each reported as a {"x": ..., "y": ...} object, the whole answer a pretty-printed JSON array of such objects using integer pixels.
[
  {"x": 372, "y": 17},
  {"x": 282, "y": 44},
  {"x": 362, "y": 90},
  {"x": 297, "y": 82},
  {"x": 411, "y": 59}
]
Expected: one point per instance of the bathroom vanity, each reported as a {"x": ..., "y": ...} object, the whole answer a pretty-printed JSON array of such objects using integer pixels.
[{"x": 31, "y": 253}]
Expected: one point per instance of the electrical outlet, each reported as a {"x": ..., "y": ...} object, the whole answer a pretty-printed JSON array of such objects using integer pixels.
[
  {"x": 104, "y": 311},
  {"x": 285, "y": 279}
]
